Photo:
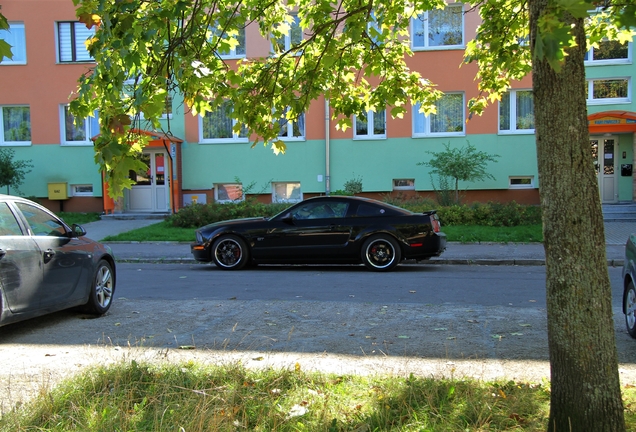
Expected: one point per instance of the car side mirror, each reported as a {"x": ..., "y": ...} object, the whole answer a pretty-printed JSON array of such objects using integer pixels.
[
  {"x": 288, "y": 218},
  {"x": 78, "y": 230}
]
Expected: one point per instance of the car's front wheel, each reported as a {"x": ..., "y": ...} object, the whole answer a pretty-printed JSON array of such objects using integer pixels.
[
  {"x": 381, "y": 253},
  {"x": 102, "y": 289},
  {"x": 229, "y": 252},
  {"x": 629, "y": 306}
]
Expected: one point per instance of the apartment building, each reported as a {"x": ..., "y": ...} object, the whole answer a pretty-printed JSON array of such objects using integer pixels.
[{"x": 203, "y": 160}]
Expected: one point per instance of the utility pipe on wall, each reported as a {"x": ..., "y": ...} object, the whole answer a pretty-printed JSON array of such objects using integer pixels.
[{"x": 327, "y": 178}]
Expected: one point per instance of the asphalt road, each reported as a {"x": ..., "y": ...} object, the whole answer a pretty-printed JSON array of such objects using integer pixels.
[{"x": 518, "y": 286}]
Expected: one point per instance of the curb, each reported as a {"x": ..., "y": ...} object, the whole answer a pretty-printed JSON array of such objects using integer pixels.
[{"x": 455, "y": 261}]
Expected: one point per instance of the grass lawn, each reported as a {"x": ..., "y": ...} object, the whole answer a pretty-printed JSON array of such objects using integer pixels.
[{"x": 164, "y": 231}]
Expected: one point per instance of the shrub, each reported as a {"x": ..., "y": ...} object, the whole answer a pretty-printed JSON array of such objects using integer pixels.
[{"x": 197, "y": 215}]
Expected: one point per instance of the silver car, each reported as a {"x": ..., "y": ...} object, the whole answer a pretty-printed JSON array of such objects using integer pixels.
[
  {"x": 629, "y": 291},
  {"x": 47, "y": 266}
]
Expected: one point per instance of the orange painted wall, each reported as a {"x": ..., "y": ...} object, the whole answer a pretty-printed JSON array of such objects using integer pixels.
[{"x": 41, "y": 80}]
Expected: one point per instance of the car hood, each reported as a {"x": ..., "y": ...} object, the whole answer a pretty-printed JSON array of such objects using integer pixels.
[{"x": 244, "y": 221}]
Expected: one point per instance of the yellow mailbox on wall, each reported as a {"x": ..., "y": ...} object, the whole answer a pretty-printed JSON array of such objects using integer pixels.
[{"x": 58, "y": 191}]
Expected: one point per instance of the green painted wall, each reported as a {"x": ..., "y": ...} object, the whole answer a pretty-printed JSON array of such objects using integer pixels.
[
  {"x": 377, "y": 162},
  {"x": 54, "y": 163}
]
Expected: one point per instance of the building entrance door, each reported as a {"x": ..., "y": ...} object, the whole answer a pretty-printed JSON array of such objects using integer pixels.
[
  {"x": 604, "y": 157},
  {"x": 149, "y": 192}
]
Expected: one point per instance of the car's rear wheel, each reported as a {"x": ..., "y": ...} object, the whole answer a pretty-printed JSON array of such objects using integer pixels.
[
  {"x": 229, "y": 252},
  {"x": 629, "y": 306},
  {"x": 381, "y": 253},
  {"x": 102, "y": 289}
]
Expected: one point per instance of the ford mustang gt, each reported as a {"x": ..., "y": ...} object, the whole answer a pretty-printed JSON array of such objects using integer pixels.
[{"x": 324, "y": 230}]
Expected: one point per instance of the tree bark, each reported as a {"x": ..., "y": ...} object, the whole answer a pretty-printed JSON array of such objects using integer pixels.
[{"x": 585, "y": 383}]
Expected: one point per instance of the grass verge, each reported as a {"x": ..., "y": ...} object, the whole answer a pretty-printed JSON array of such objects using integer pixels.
[
  {"x": 164, "y": 231},
  {"x": 192, "y": 397}
]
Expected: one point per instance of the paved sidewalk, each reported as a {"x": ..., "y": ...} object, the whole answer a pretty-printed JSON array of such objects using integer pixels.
[{"x": 456, "y": 253}]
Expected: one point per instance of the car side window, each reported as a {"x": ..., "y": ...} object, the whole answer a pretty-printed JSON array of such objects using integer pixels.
[
  {"x": 8, "y": 224},
  {"x": 41, "y": 222},
  {"x": 317, "y": 210},
  {"x": 366, "y": 210}
]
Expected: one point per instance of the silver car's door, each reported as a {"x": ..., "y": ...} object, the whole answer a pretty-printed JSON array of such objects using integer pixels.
[
  {"x": 20, "y": 264},
  {"x": 65, "y": 260}
]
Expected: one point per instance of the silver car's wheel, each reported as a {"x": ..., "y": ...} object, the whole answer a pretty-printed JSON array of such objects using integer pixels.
[
  {"x": 629, "y": 306},
  {"x": 381, "y": 253},
  {"x": 102, "y": 290},
  {"x": 229, "y": 252}
]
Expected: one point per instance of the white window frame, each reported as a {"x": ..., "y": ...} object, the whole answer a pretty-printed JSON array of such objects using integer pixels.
[
  {"x": 370, "y": 135},
  {"x": 232, "y": 54},
  {"x": 591, "y": 62},
  {"x": 287, "y": 199},
  {"x": 76, "y": 45},
  {"x": 91, "y": 128},
  {"x": 14, "y": 143},
  {"x": 16, "y": 37},
  {"x": 289, "y": 135},
  {"x": 513, "y": 115},
  {"x": 409, "y": 186},
  {"x": 236, "y": 138},
  {"x": 608, "y": 101},
  {"x": 76, "y": 192},
  {"x": 426, "y": 120},
  {"x": 424, "y": 29},
  {"x": 223, "y": 201},
  {"x": 521, "y": 186},
  {"x": 287, "y": 39}
]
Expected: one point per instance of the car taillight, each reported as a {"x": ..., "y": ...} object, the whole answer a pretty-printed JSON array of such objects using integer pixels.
[{"x": 435, "y": 223}]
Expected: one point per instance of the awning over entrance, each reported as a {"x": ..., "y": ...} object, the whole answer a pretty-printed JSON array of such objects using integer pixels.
[
  {"x": 172, "y": 146},
  {"x": 612, "y": 122}
]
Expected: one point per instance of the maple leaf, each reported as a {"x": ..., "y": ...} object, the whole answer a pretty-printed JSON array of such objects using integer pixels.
[
  {"x": 117, "y": 123},
  {"x": 90, "y": 20}
]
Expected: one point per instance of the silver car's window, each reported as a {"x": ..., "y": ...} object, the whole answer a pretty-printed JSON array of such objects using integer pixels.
[
  {"x": 41, "y": 223},
  {"x": 8, "y": 224}
]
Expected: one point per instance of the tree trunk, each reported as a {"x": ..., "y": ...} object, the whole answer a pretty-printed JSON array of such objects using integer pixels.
[{"x": 586, "y": 392}]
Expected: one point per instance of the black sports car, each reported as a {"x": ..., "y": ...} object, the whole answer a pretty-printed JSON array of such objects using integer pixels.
[{"x": 324, "y": 230}]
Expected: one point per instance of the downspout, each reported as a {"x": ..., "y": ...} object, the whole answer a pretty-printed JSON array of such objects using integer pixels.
[{"x": 327, "y": 175}]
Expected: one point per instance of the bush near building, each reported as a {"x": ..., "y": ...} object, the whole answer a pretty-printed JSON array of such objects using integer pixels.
[{"x": 486, "y": 214}]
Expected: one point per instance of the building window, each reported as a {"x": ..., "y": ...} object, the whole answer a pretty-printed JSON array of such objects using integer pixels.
[
  {"x": 71, "y": 38},
  {"x": 438, "y": 28},
  {"x": 286, "y": 192},
  {"x": 77, "y": 133},
  {"x": 448, "y": 120},
  {"x": 218, "y": 127},
  {"x": 609, "y": 52},
  {"x": 373, "y": 126},
  {"x": 516, "y": 112},
  {"x": 14, "y": 36},
  {"x": 15, "y": 125},
  {"x": 229, "y": 46},
  {"x": 615, "y": 90},
  {"x": 403, "y": 184},
  {"x": 167, "y": 112},
  {"x": 521, "y": 182},
  {"x": 293, "y": 37},
  {"x": 228, "y": 192},
  {"x": 292, "y": 129},
  {"x": 82, "y": 190}
]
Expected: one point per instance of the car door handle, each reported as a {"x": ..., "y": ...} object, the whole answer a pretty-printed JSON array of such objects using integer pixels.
[{"x": 48, "y": 255}]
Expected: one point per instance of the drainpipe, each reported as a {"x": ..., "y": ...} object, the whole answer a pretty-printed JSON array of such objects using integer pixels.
[{"x": 327, "y": 176}]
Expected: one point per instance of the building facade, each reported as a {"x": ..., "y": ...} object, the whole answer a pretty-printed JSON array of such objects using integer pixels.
[{"x": 202, "y": 160}]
